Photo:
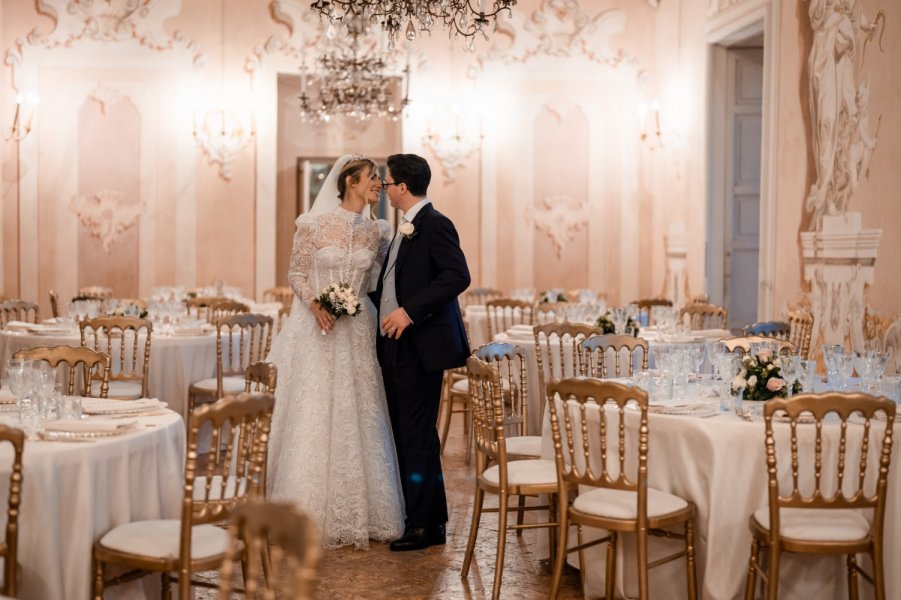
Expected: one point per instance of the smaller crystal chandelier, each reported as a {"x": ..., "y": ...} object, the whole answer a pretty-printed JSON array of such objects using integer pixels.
[
  {"x": 354, "y": 84},
  {"x": 458, "y": 16}
]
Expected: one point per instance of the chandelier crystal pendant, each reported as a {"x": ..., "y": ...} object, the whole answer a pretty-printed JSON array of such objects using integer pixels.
[
  {"x": 457, "y": 16},
  {"x": 355, "y": 84}
]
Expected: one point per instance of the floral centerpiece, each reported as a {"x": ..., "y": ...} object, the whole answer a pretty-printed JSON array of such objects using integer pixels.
[
  {"x": 549, "y": 296},
  {"x": 606, "y": 325},
  {"x": 340, "y": 299},
  {"x": 129, "y": 309},
  {"x": 761, "y": 377}
]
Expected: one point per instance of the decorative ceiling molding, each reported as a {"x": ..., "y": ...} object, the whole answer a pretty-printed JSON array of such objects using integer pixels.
[
  {"x": 560, "y": 218},
  {"x": 106, "y": 214},
  {"x": 560, "y": 29},
  {"x": 719, "y": 6}
]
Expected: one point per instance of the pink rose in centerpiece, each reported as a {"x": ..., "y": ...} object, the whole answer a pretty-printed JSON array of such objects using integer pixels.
[{"x": 775, "y": 384}]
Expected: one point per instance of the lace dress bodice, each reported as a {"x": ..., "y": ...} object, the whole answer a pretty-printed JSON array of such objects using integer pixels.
[{"x": 337, "y": 247}]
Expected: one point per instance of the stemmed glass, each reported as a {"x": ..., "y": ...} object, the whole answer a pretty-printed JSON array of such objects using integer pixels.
[
  {"x": 870, "y": 366},
  {"x": 830, "y": 352},
  {"x": 619, "y": 316},
  {"x": 844, "y": 364},
  {"x": 790, "y": 368}
]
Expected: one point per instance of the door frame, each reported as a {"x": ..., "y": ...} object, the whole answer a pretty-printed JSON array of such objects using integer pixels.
[{"x": 729, "y": 28}]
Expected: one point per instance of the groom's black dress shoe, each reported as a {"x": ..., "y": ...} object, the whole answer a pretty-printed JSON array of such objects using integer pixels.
[{"x": 417, "y": 538}]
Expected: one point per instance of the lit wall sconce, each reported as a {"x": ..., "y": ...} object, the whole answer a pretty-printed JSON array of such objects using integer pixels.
[
  {"x": 652, "y": 136},
  {"x": 221, "y": 134},
  {"x": 452, "y": 148},
  {"x": 26, "y": 106}
]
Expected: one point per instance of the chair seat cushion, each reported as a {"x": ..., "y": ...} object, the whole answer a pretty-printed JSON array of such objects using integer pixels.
[
  {"x": 817, "y": 524},
  {"x": 524, "y": 472},
  {"x": 230, "y": 385},
  {"x": 160, "y": 539},
  {"x": 119, "y": 389},
  {"x": 623, "y": 504},
  {"x": 524, "y": 445},
  {"x": 461, "y": 386}
]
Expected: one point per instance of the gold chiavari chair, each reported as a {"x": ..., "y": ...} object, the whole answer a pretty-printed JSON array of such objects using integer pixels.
[
  {"x": 260, "y": 377},
  {"x": 226, "y": 308},
  {"x": 95, "y": 367},
  {"x": 479, "y": 295},
  {"x": 289, "y": 542},
  {"x": 595, "y": 356},
  {"x": 9, "y": 549},
  {"x": 199, "y": 307},
  {"x": 18, "y": 310},
  {"x": 800, "y": 331},
  {"x": 284, "y": 313},
  {"x": 844, "y": 511},
  {"x": 770, "y": 329},
  {"x": 622, "y": 501},
  {"x": 54, "y": 304},
  {"x": 238, "y": 429},
  {"x": 645, "y": 306},
  {"x": 504, "y": 313},
  {"x": 496, "y": 474},
  {"x": 557, "y": 350},
  {"x": 283, "y": 294},
  {"x": 704, "y": 316},
  {"x": 742, "y": 345},
  {"x": 97, "y": 292},
  {"x": 241, "y": 340},
  {"x": 126, "y": 340}
]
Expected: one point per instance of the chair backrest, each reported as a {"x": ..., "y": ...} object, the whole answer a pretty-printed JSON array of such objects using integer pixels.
[
  {"x": 550, "y": 312},
  {"x": 260, "y": 377},
  {"x": 282, "y": 294},
  {"x": 579, "y": 406},
  {"x": 771, "y": 329},
  {"x": 557, "y": 350},
  {"x": 126, "y": 340},
  {"x": 646, "y": 304},
  {"x": 704, "y": 316},
  {"x": 801, "y": 330},
  {"x": 199, "y": 307},
  {"x": 241, "y": 340},
  {"x": 486, "y": 403},
  {"x": 289, "y": 538},
  {"x": 10, "y": 547},
  {"x": 18, "y": 310},
  {"x": 742, "y": 345},
  {"x": 96, "y": 291},
  {"x": 848, "y": 472},
  {"x": 237, "y": 428},
  {"x": 54, "y": 304},
  {"x": 504, "y": 313},
  {"x": 225, "y": 308},
  {"x": 479, "y": 295},
  {"x": 595, "y": 357},
  {"x": 95, "y": 366},
  {"x": 511, "y": 363},
  {"x": 284, "y": 313}
]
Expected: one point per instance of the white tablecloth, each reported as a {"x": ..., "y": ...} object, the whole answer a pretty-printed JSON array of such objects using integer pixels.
[
  {"x": 719, "y": 464},
  {"x": 175, "y": 361},
  {"x": 73, "y": 493}
]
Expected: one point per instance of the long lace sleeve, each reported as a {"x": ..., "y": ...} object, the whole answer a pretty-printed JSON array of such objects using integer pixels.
[
  {"x": 381, "y": 253},
  {"x": 302, "y": 260}
]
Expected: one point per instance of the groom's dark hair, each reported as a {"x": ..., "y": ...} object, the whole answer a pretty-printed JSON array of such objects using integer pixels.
[{"x": 412, "y": 170}]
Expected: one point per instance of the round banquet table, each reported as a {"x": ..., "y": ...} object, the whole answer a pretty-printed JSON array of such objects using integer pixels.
[
  {"x": 176, "y": 361},
  {"x": 73, "y": 493},
  {"x": 719, "y": 464}
]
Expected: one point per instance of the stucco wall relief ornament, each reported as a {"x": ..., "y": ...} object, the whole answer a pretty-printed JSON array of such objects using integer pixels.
[
  {"x": 105, "y": 96},
  {"x": 106, "y": 213},
  {"x": 843, "y": 141},
  {"x": 718, "y": 6},
  {"x": 451, "y": 148},
  {"x": 675, "y": 282},
  {"x": 560, "y": 218}
]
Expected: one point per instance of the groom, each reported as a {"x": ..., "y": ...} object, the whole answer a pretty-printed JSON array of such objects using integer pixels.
[{"x": 420, "y": 335}]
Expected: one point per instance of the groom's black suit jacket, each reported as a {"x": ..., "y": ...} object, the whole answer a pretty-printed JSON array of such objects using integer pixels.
[{"x": 430, "y": 272}]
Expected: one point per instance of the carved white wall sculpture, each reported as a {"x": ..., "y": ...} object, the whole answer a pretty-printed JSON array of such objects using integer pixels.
[
  {"x": 560, "y": 218},
  {"x": 107, "y": 213},
  {"x": 675, "y": 283}
]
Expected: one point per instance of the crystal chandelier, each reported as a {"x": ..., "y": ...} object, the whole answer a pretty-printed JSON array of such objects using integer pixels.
[{"x": 457, "y": 16}]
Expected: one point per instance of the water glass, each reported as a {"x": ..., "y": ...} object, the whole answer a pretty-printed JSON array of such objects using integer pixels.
[
  {"x": 724, "y": 391},
  {"x": 890, "y": 387},
  {"x": 844, "y": 366},
  {"x": 30, "y": 419},
  {"x": 48, "y": 400},
  {"x": 661, "y": 387},
  {"x": 789, "y": 369},
  {"x": 70, "y": 407}
]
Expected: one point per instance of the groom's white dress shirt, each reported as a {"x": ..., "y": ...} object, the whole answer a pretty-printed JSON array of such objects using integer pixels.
[{"x": 389, "y": 292}]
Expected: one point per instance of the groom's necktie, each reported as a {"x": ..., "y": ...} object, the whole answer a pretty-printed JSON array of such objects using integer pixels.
[{"x": 389, "y": 293}]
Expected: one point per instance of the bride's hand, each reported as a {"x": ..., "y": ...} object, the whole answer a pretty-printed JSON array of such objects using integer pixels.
[{"x": 323, "y": 318}]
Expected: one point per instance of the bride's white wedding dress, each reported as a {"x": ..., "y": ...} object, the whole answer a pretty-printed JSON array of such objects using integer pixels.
[{"x": 331, "y": 450}]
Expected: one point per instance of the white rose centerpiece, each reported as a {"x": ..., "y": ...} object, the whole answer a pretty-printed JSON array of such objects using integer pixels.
[{"x": 340, "y": 299}]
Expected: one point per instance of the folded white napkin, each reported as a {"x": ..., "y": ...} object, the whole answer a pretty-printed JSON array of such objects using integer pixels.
[
  {"x": 90, "y": 426},
  {"x": 6, "y": 396},
  {"x": 18, "y": 325},
  {"x": 96, "y": 406}
]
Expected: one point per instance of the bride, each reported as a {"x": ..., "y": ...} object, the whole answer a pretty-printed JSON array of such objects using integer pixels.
[{"x": 331, "y": 450}]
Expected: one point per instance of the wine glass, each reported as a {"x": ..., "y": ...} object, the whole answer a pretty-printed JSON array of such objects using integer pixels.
[{"x": 789, "y": 370}]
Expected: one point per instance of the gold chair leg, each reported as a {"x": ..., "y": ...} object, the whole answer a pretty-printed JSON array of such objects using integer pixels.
[
  {"x": 772, "y": 588},
  {"x": 642, "y": 539},
  {"x": 166, "y": 586},
  {"x": 447, "y": 402},
  {"x": 753, "y": 561},
  {"x": 501, "y": 545},
  {"x": 610, "y": 583},
  {"x": 560, "y": 556},
  {"x": 98, "y": 578},
  {"x": 473, "y": 529},
  {"x": 469, "y": 438},
  {"x": 853, "y": 591},
  {"x": 878, "y": 571},
  {"x": 690, "y": 559}
]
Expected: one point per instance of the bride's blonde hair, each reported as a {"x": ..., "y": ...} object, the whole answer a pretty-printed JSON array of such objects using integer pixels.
[{"x": 355, "y": 170}]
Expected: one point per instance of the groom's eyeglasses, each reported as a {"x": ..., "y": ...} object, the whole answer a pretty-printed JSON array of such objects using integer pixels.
[{"x": 385, "y": 184}]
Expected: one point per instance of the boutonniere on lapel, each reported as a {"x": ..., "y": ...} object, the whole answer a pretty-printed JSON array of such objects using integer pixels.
[{"x": 407, "y": 230}]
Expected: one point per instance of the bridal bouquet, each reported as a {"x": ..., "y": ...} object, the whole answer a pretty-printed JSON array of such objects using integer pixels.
[
  {"x": 761, "y": 377},
  {"x": 606, "y": 325},
  {"x": 549, "y": 296},
  {"x": 340, "y": 299}
]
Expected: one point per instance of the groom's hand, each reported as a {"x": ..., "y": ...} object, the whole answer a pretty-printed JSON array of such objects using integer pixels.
[{"x": 394, "y": 324}]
